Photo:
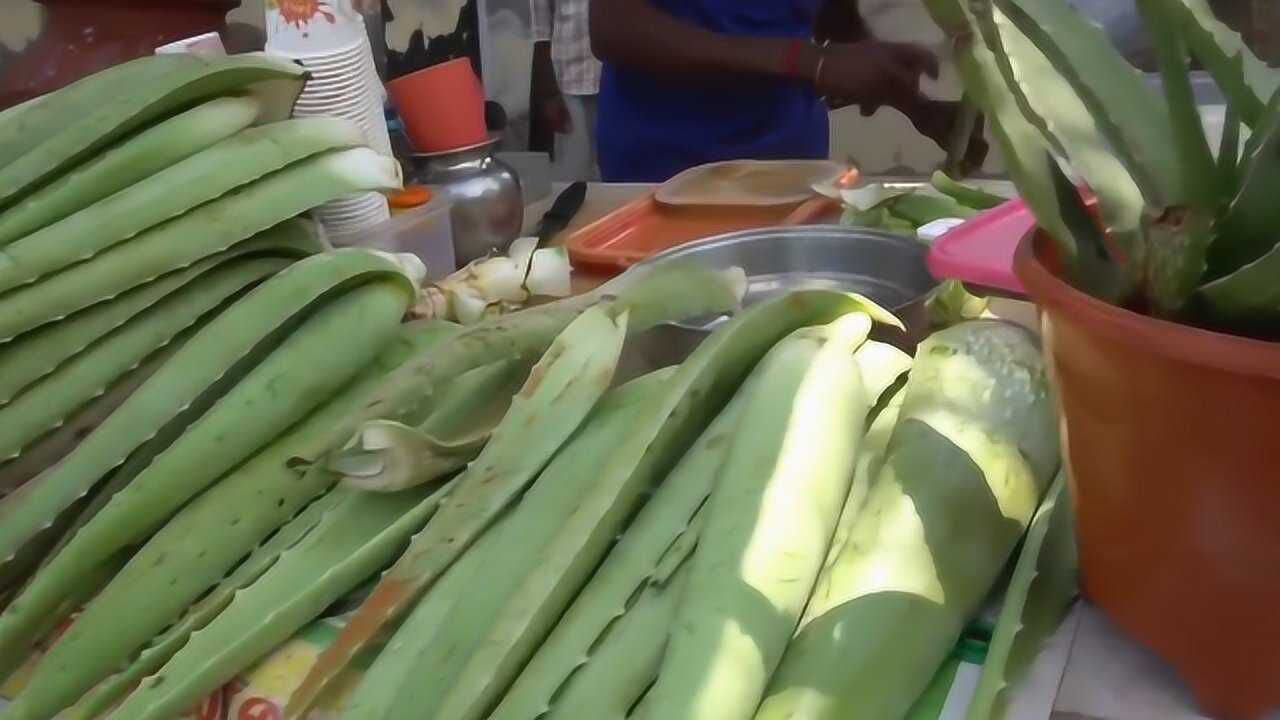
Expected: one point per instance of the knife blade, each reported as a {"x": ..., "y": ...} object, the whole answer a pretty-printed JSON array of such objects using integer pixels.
[{"x": 566, "y": 205}]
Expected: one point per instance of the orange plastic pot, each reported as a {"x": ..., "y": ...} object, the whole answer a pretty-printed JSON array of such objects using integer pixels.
[
  {"x": 1172, "y": 435},
  {"x": 442, "y": 107}
]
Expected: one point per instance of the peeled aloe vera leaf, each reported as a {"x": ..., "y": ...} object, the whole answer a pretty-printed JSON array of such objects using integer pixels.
[
  {"x": 197, "y": 366},
  {"x": 527, "y": 539},
  {"x": 770, "y": 519},
  {"x": 1131, "y": 117},
  {"x": 1251, "y": 227},
  {"x": 208, "y": 229},
  {"x": 358, "y": 537},
  {"x": 1043, "y": 587},
  {"x": 561, "y": 391},
  {"x": 208, "y": 175},
  {"x": 72, "y": 123},
  {"x": 1051, "y": 104},
  {"x": 43, "y": 406},
  {"x": 1244, "y": 79},
  {"x": 365, "y": 319},
  {"x": 390, "y": 457},
  {"x": 132, "y": 159},
  {"x": 34, "y": 355},
  {"x": 212, "y": 546}
]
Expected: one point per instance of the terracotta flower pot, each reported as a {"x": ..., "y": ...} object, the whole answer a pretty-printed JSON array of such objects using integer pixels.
[{"x": 1172, "y": 435}]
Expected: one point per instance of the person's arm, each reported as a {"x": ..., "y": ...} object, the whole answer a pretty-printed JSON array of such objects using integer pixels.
[{"x": 637, "y": 34}]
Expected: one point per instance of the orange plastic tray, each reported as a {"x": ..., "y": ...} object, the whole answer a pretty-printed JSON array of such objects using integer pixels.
[{"x": 645, "y": 227}]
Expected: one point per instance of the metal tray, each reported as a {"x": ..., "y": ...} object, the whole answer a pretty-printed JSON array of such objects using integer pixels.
[{"x": 889, "y": 269}]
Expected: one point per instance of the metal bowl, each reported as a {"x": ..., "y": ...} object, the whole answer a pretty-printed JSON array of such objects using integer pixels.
[{"x": 889, "y": 269}]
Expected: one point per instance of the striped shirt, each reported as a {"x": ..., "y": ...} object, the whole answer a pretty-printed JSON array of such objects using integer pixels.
[{"x": 564, "y": 24}]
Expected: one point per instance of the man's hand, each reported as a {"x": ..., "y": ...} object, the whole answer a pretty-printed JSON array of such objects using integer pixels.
[
  {"x": 548, "y": 103},
  {"x": 873, "y": 73}
]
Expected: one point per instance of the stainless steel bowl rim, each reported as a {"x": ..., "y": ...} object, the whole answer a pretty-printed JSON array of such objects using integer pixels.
[{"x": 911, "y": 250}]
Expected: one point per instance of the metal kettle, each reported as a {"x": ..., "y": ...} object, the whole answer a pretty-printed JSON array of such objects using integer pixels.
[{"x": 488, "y": 205}]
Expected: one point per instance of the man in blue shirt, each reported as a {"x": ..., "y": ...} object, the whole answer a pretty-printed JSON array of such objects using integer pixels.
[{"x": 688, "y": 82}]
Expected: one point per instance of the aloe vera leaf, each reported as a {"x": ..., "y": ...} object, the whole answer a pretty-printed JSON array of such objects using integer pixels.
[
  {"x": 1255, "y": 140},
  {"x": 1052, "y": 105},
  {"x": 187, "y": 566},
  {"x": 884, "y": 368},
  {"x": 974, "y": 449},
  {"x": 1022, "y": 145},
  {"x": 388, "y": 673},
  {"x": 699, "y": 391},
  {"x": 365, "y": 319},
  {"x": 561, "y": 390},
  {"x": 920, "y": 209},
  {"x": 1038, "y": 177},
  {"x": 875, "y": 443},
  {"x": 1229, "y": 150},
  {"x": 210, "y": 228},
  {"x": 99, "y": 701},
  {"x": 1244, "y": 79},
  {"x": 354, "y": 540},
  {"x": 79, "y": 592},
  {"x": 439, "y": 660},
  {"x": 197, "y": 366},
  {"x": 683, "y": 409},
  {"x": 208, "y": 175},
  {"x": 627, "y": 569},
  {"x": 215, "y": 545},
  {"x": 129, "y": 161},
  {"x": 1044, "y": 586},
  {"x": 44, "y": 405},
  {"x": 34, "y": 355},
  {"x": 51, "y": 448},
  {"x": 389, "y": 456},
  {"x": 650, "y": 295},
  {"x": 966, "y": 195},
  {"x": 1191, "y": 147},
  {"x": 1248, "y": 231},
  {"x": 74, "y": 122},
  {"x": 1249, "y": 298},
  {"x": 1128, "y": 113},
  {"x": 761, "y": 550},
  {"x": 960, "y": 137},
  {"x": 626, "y": 660}
]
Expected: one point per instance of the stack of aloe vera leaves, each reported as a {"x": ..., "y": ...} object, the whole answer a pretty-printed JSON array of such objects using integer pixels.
[
  {"x": 217, "y": 431},
  {"x": 797, "y": 521}
]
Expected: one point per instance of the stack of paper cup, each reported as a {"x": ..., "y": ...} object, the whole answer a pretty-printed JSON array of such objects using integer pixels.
[{"x": 334, "y": 48}]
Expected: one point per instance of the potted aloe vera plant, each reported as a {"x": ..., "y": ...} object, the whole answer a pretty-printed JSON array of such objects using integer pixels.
[{"x": 1160, "y": 306}]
